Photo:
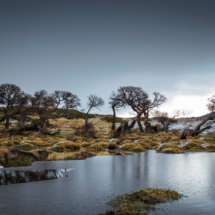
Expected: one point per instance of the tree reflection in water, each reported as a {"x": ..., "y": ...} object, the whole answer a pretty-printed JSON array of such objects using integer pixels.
[
  {"x": 16, "y": 158},
  {"x": 14, "y": 177}
]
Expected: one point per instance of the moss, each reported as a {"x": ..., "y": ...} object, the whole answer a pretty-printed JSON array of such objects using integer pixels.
[
  {"x": 73, "y": 146},
  {"x": 79, "y": 141},
  {"x": 8, "y": 143},
  {"x": 126, "y": 146},
  {"x": 174, "y": 139},
  {"x": 138, "y": 148},
  {"x": 175, "y": 150},
  {"x": 133, "y": 147},
  {"x": 41, "y": 144},
  {"x": 86, "y": 144},
  {"x": 148, "y": 144},
  {"x": 170, "y": 148},
  {"x": 194, "y": 145},
  {"x": 99, "y": 146},
  {"x": 137, "y": 202},
  {"x": 26, "y": 145},
  {"x": 165, "y": 137}
]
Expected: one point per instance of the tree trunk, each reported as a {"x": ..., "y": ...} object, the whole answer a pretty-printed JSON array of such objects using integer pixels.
[
  {"x": 86, "y": 117},
  {"x": 121, "y": 129},
  {"x": 195, "y": 132},
  {"x": 114, "y": 119},
  {"x": 40, "y": 130},
  {"x": 140, "y": 125},
  {"x": 134, "y": 121},
  {"x": 7, "y": 123}
]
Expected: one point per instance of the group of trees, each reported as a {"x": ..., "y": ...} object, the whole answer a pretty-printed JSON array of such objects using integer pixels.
[
  {"x": 139, "y": 101},
  {"x": 14, "y": 101}
]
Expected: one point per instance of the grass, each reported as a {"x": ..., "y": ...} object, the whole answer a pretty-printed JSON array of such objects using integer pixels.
[
  {"x": 133, "y": 147},
  {"x": 64, "y": 145},
  {"x": 137, "y": 202},
  {"x": 194, "y": 145},
  {"x": 109, "y": 118},
  {"x": 26, "y": 145},
  {"x": 169, "y": 148}
]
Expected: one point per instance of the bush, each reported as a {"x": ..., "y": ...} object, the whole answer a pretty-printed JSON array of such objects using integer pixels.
[
  {"x": 87, "y": 130},
  {"x": 112, "y": 146}
]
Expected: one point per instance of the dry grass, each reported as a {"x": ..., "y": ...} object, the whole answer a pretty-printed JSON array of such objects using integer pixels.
[
  {"x": 99, "y": 146},
  {"x": 133, "y": 147},
  {"x": 194, "y": 145},
  {"x": 26, "y": 145},
  {"x": 66, "y": 145},
  {"x": 170, "y": 148}
]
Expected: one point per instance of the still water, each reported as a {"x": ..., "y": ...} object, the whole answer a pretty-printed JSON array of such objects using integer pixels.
[{"x": 94, "y": 181}]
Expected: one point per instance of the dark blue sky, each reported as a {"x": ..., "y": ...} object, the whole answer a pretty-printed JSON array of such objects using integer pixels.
[{"x": 93, "y": 47}]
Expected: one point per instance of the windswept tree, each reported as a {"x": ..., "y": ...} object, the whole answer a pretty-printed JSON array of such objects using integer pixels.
[
  {"x": 211, "y": 103},
  {"x": 93, "y": 102},
  {"x": 44, "y": 104},
  {"x": 115, "y": 102},
  {"x": 134, "y": 97},
  {"x": 71, "y": 101},
  {"x": 12, "y": 99},
  {"x": 140, "y": 103}
]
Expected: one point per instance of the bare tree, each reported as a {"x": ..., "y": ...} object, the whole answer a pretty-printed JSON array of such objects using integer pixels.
[
  {"x": 115, "y": 102},
  {"x": 12, "y": 99},
  {"x": 44, "y": 105},
  {"x": 198, "y": 129},
  {"x": 93, "y": 102},
  {"x": 134, "y": 97},
  {"x": 140, "y": 103},
  {"x": 158, "y": 113},
  {"x": 211, "y": 103},
  {"x": 182, "y": 113}
]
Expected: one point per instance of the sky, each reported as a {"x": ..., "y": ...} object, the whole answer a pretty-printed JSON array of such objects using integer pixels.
[{"x": 94, "y": 47}]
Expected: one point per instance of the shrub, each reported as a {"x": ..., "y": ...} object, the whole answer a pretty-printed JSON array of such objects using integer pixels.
[
  {"x": 112, "y": 145},
  {"x": 87, "y": 130}
]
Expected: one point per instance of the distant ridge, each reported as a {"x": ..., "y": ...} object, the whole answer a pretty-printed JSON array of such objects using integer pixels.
[{"x": 200, "y": 117}]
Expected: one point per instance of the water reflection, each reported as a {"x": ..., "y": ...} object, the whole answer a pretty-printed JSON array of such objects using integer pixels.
[
  {"x": 16, "y": 158},
  {"x": 15, "y": 177},
  {"x": 97, "y": 180}
]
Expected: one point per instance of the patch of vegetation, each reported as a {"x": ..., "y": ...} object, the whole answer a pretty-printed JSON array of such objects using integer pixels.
[
  {"x": 194, "y": 145},
  {"x": 136, "y": 202},
  {"x": 109, "y": 118},
  {"x": 170, "y": 148},
  {"x": 26, "y": 145},
  {"x": 87, "y": 130},
  {"x": 112, "y": 145},
  {"x": 73, "y": 114},
  {"x": 133, "y": 147}
]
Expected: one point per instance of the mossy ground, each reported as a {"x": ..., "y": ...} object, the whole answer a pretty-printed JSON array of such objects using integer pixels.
[
  {"x": 135, "y": 141},
  {"x": 141, "y": 201}
]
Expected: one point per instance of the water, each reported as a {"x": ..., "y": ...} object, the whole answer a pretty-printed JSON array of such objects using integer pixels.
[{"x": 95, "y": 181}]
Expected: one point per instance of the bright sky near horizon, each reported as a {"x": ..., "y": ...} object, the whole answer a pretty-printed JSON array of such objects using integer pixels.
[{"x": 94, "y": 47}]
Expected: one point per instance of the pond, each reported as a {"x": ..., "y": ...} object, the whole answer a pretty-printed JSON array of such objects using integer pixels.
[{"x": 86, "y": 185}]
